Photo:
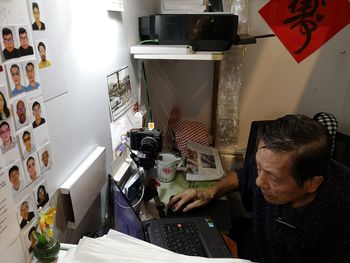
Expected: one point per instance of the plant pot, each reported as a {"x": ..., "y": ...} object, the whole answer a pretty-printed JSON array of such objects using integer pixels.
[{"x": 48, "y": 252}]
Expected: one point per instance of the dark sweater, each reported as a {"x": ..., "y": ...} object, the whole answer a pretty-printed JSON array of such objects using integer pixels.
[{"x": 317, "y": 232}]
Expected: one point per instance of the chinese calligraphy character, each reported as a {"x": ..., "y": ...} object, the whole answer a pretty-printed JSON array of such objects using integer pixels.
[{"x": 305, "y": 15}]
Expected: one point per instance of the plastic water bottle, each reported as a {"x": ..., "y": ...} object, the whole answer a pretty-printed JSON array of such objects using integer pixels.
[{"x": 240, "y": 8}]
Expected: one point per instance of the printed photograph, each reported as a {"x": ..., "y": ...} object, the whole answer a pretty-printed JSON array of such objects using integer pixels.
[
  {"x": 16, "y": 77},
  {"x": 31, "y": 167},
  {"x": 25, "y": 47},
  {"x": 26, "y": 211},
  {"x": 207, "y": 161},
  {"x": 4, "y": 103},
  {"x": 16, "y": 177},
  {"x": 28, "y": 239},
  {"x": 21, "y": 112},
  {"x": 7, "y": 135},
  {"x": 41, "y": 195},
  {"x": 27, "y": 142},
  {"x": 37, "y": 15},
  {"x": 119, "y": 92},
  {"x": 43, "y": 53},
  {"x": 9, "y": 43},
  {"x": 38, "y": 114},
  {"x": 45, "y": 158}
]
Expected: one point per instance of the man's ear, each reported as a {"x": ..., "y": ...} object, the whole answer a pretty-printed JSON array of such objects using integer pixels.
[{"x": 311, "y": 185}]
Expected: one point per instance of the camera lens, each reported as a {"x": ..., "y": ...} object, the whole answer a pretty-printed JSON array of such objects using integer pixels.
[{"x": 149, "y": 145}]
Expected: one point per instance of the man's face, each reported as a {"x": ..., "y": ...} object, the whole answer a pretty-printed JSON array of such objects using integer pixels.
[
  {"x": 31, "y": 169},
  {"x": 21, "y": 111},
  {"x": 16, "y": 77},
  {"x": 23, "y": 39},
  {"x": 27, "y": 142},
  {"x": 5, "y": 133},
  {"x": 275, "y": 180},
  {"x": 14, "y": 179},
  {"x": 30, "y": 73},
  {"x": 37, "y": 112},
  {"x": 9, "y": 43},
  {"x": 24, "y": 210},
  {"x": 42, "y": 53},
  {"x": 45, "y": 158}
]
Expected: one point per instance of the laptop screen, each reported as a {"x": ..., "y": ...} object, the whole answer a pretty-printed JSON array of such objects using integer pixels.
[{"x": 125, "y": 218}]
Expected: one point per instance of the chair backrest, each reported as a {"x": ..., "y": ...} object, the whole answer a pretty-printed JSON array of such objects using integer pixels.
[
  {"x": 342, "y": 148},
  {"x": 252, "y": 140},
  {"x": 329, "y": 121}
]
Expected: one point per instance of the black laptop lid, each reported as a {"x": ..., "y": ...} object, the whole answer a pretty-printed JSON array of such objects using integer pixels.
[{"x": 125, "y": 218}]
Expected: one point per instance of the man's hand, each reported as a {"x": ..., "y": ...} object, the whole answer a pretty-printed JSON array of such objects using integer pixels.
[{"x": 190, "y": 199}]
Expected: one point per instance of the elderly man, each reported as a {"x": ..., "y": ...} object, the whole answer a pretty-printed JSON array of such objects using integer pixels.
[{"x": 298, "y": 197}]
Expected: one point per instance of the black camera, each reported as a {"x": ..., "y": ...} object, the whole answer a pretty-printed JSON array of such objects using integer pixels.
[{"x": 146, "y": 141}]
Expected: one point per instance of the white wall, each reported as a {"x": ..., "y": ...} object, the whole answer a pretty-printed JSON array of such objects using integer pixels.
[
  {"x": 93, "y": 43},
  {"x": 274, "y": 84}
]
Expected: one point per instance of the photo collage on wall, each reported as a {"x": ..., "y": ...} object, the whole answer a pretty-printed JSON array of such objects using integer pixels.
[{"x": 25, "y": 150}]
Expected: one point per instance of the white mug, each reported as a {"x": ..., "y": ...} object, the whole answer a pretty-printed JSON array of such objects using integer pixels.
[{"x": 167, "y": 167}]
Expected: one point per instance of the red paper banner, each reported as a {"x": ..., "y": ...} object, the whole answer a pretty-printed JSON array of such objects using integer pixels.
[{"x": 303, "y": 26}]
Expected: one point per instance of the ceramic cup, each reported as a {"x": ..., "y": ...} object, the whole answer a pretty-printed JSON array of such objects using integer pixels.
[{"x": 167, "y": 167}]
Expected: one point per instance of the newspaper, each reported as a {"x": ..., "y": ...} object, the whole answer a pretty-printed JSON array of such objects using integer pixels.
[{"x": 203, "y": 163}]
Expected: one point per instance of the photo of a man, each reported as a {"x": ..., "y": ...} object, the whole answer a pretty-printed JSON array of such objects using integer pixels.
[
  {"x": 17, "y": 86},
  {"x": 10, "y": 51},
  {"x": 26, "y": 214},
  {"x": 30, "y": 72},
  {"x": 27, "y": 144},
  {"x": 38, "y": 120},
  {"x": 8, "y": 141},
  {"x": 16, "y": 179},
  {"x": 45, "y": 158},
  {"x": 30, "y": 164},
  {"x": 44, "y": 62},
  {"x": 38, "y": 24},
  {"x": 25, "y": 48},
  {"x": 21, "y": 119}
]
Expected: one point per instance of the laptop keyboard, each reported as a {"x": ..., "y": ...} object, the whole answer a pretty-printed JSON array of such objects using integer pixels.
[{"x": 183, "y": 239}]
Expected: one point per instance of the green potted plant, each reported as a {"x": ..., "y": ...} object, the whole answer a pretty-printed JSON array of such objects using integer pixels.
[{"x": 47, "y": 246}]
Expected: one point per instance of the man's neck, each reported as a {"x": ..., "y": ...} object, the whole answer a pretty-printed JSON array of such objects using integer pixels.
[{"x": 305, "y": 200}]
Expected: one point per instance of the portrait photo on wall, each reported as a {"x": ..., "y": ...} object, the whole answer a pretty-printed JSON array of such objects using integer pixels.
[
  {"x": 5, "y": 109},
  {"x": 28, "y": 240},
  {"x": 41, "y": 195},
  {"x": 26, "y": 211},
  {"x": 37, "y": 15},
  {"x": 16, "y": 77},
  {"x": 45, "y": 158},
  {"x": 9, "y": 42},
  {"x": 21, "y": 112},
  {"x": 27, "y": 142},
  {"x": 31, "y": 167},
  {"x": 43, "y": 53},
  {"x": 8, "y": 143},
  {"x": 16, "y": 177},
  {"x": 3, "y": 77},
  {"x": 38, "y": 113},
  {"x": 32, "y": 82},
  {"x": 119, "y": 92},
  {"x": 25, "y": 47}
]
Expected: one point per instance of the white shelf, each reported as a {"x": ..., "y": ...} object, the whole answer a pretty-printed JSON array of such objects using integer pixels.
[{"x": 200, "y": 55}]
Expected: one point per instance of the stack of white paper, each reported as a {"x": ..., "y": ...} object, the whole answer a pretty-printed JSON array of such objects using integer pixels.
[
  {"x": 118, "y": 247},
  {"x": 183, "y": 6}
]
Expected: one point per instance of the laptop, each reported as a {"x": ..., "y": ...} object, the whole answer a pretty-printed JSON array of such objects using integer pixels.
[{"x": 195, "y": 236}]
